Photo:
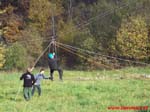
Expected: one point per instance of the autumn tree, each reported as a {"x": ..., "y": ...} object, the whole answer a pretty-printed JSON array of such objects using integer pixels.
[
  {"x": 132, "y": 38},
  {"x": 40, "y": 12},
  {"x": 12, "y": 29}
]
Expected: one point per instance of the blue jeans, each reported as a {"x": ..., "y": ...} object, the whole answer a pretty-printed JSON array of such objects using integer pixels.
[{"x": 38, "y": 89}]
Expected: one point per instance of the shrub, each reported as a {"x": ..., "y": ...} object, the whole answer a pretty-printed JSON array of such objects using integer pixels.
[
  {"x": 2, "y": 55},
  {"x": 16, "y": 57},
  {"x": 132, "y": 38}
]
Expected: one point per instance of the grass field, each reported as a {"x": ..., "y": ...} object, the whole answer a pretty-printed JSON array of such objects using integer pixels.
[{"x": 81, "y": 91}]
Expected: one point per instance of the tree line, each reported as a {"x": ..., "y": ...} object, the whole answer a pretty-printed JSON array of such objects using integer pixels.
[{"x": 112, "y": 27}]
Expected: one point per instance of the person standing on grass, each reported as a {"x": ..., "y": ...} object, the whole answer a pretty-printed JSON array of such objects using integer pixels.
[
  {"x": 37, "y": 83},
  {"x": 53, "y": 65},
  {"x": 28, "y": 83}
]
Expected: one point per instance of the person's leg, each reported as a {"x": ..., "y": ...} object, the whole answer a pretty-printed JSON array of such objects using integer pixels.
[
  {"x": 60, "y": 71},
  {"x": 39, "y": 89},
  {"x": 30, "y": 92},
  {"x": 51, "y": 74},
  {"x": 33, "y": 89},
  {"x": 25, "y": 93}
]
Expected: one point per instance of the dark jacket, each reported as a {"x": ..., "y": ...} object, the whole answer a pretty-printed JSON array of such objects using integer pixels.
[
  {"x": 28, "y": 79},
  {"x": 53, "y": 64}
]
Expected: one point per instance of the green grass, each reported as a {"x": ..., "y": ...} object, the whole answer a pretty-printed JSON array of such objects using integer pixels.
[{"x": 81, "y": 91}]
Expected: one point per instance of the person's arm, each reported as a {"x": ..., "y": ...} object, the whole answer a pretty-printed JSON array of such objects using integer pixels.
[
  {"x": 33, "y": 79},
  {"x": 44, "y": 77},
  {"x": 57, "y": 59},
  {"x": 22, "y": 77}
]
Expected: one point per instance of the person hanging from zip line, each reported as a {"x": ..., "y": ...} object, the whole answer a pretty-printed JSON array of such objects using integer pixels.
[
  {"x": 53, "y": 66},
  {"x": 37, "y": 85},
  {"x": 29, "y": 81}
]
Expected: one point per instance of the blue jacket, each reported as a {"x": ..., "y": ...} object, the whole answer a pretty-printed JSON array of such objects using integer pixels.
[{"x": 38, "y": 78}]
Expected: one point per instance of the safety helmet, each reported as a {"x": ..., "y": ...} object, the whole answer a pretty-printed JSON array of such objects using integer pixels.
[{"x": 50, "y": 55}]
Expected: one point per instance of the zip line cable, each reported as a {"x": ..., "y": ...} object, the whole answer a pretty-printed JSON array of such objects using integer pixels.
[
  {"x": 106, "y": 13},
  {"x": 75, "y": 50},
  {"x": 81, "y": 55},
  {"x": 89, "y": 60},
  {"x": 41, "y": 54},
  {"x": 84, "y": 24},
  {"x": 110, "y": 11},
  {"x": 112, "y": 57},
  {"x": 99, "y": 54},
  {"x": 91, "y": 20},
  {"x": 85, "y": 54}
]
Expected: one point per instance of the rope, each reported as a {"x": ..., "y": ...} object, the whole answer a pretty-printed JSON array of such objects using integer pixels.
[
  {"x": 32, "y": 69},
  {"x": 56, "y": 53},
  {"x": 106, "y": 13},
  {"x": 18, "y": 91},
  {"x": 73, "y": 49},
  {"x": 89, "y": 60},
  {"x": 41, "y": 54},
  {"x": 83, "y": 53},
  {"x": 91, "y": 20},
  {"x": 89, "y": 56},
  {"x": 107, "y": 56}
]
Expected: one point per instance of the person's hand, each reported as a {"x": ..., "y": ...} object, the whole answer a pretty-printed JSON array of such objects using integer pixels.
[
  {"x": 32, "y": 68},
  {"x": 53, "y": 42}
]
